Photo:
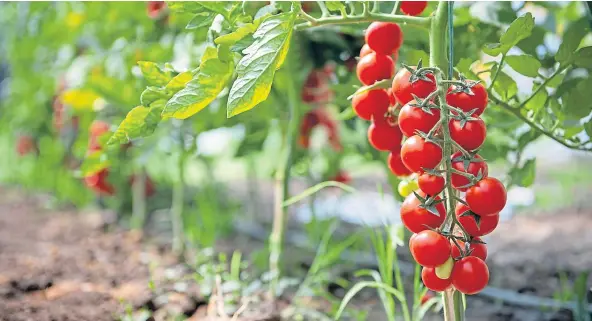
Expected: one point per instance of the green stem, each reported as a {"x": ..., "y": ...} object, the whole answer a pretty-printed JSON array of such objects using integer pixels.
[
  {"x": 396, "y": 7},
  {"x": 543, "y": 85},
  {"x": 139, "y": 199},
  {"x": 281, "y": 186},
  {"x": 497, "y": 71},
  {"x": 364, "y": 17},
  {"x": 178, "y": 202}
]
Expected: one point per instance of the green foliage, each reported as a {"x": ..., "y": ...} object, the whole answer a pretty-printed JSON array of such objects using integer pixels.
[{"x": 520, "y": 29}]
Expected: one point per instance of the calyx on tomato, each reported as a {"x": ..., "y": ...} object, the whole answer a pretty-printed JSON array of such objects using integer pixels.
[
  {"x": 429, "y": 203},
  {"x": 472, "y": 214},
  {"x": 419, "y": 73},
  {"x": 467, "y": 160}
]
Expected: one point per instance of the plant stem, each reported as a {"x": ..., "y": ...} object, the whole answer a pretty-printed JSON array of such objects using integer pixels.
[
  {"x": 139, "y": 199},
  {"x": 179, "y": 199},
  {"x": 543, "y": 85},
  {"x": 497, "y": 71},
  {"x": 364, "y": 17},
  {"x": 281, "y": 186}
]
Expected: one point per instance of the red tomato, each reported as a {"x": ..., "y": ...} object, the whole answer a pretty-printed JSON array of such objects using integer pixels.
[
  {"x": 431, "y": 184},
  {"x": 403, "y": 88},
  {"x": 458, "y": 163},
  {"x": 392, "y": 98},
  {"x": 470, "y": 275},
  {"x": 413, "y": 118},
  {"x": 313, "y": 118},
  {"x": 430, "y": 248},
  {"x": 371, "y": 103},
  {"x": 468, "y": 102},
  {"x": 418, "y": 219},
  {"x": 154, "y": 8},
  {"x": 384, "y": 37},
  {"x": 97, "y": 129},
  {"x": 477, "y": 249},
  {"x": 374, "y": 67},
  {"x": 395, "y": 164},
  {"x": 413, "y": 8},
  {"x": 432, "y": 281},
  {"x": 486, "y": 223},
  {"x": 316, "y": 87},
  {"x": 98, "y": 182},
  {"x": 469, "y": 137},
  {"x": 487, "y": 197},
  {"x": 342, "y": 177},
  {"x": 384, "y": 136},
  {"x": 25, "y": 145},
  {"x": 417, "y": 154},
  {"x": 365, "y": 50}
]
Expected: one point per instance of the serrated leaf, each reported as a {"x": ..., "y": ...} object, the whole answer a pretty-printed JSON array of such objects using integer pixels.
[
  {"x": 153, "y": 74},
  {"x": 200, "y": 20},
  {"x": 583, "y": 57},
  {"x": 255, "y": 71},
  {"x": 94, "y": 162},
  {"x": 334, "y": 5},
  {"x": 519, "y": 29},
  {"x": 571, "y": 41},
  {"x": 238, "y": 34},
  {"x": 139, "y": 122},
  {"x": 80, "y": 99},
  {"x": 524, "y": 176},
  {"x": 206, "y": 85},
  {"x": 524, "y": 64}
]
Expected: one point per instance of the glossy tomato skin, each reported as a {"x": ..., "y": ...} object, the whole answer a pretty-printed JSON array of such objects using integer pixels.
[
  {"x": 403, "y": 88},
  {"x": 365, "y": 50},
  {"x": 418, "y": 219},
  {"x": 431, "y": 184},
  {"x": 432, "y": 281},
  {"x": 371, "y": 103},
  {"x": 384, "y": 37},
  {"x": 471, "y": 136},
  {"x": 467, "y": 102},
  {"x": 470, "y": 275},
  {"x": 374, "y": 67},
  {"x": 477, "y": 249},
  {"x": 430, "y": 248},
  {"x": 395, "y": 164},
  {"x": 413, "y": 118},
  {"x": 457, "y": 180},
  {"x": 487, "y": 197},
  {"x": 417, "y": 154},
  {"x": 392, "y": 98},
  {"x": 413, "y": 8},
  {"x": 486, "y": 224},
  {"x": 384, "y": 136}
]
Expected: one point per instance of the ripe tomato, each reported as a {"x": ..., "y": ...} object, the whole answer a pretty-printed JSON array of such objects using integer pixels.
[
  {"x": 316, "y": 88},
  {"x": 487, "y": 197},
  {"x": 154, "y": 8},
  {"x": 395, "y": 164},
  {"x": 392, "y": 98},
  {"x": 406, "y": 187},
  {"x": 458, "y": 163},
  {"x": 432, "y": 281},
  {"x": 384, "y": 37},
  {"x": 417, "y": 154},
  {"x": 470, "y": 275},
  {"x": 371, "y": 103},
  {"x": 342, "y": 177},
  {"x": 486, "y": 223},
  {"x": 403, "y": 88},
  {"x": 413, "y": 8},
  {"x": 477, "y": 249},
  {"x": 426, "y": 297},
  {"x": 468, "y": 102},
  {"x": 384, "y": 136},
  {"x": 374, "y": 67},
  {"x": 25, "y": 145},
  {"x": 430, "y": 248},
  {"x": 313, "y": 118},
  {"x": 417, "y": 218},
  {"x": 469, "y": 137},
  {"x": 412, "y": 118},
  {"x": 98, "y": 182},
  {"x": 431, "y": 184},
  {"x": 365, "y": 50}
]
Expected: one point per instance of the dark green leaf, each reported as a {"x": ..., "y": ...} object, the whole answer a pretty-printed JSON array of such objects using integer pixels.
[
  {"x": 571, "y": 41},
  {"x": 206, "y": 85},
  {"x": 526, "y": 138},
  {"x": 524, "y": 176},
  {"x": 583, "y": 57},
  {"x": 572, "y": 131},
  {"x": 588, "y": 127},
  {"x": 524, "y": 64},
  {"x": 505, "y": 86},
  {"x": 257, "y": 68},
  {"x": 520, "y": 29},
  {"x": 577, "y": 103},
  {"x": 529, "y": 45}
]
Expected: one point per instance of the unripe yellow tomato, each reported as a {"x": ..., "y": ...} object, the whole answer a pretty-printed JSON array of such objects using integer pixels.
[{"x": 407, "y": 187}]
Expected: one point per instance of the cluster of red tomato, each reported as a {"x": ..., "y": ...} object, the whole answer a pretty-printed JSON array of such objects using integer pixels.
[{"x": 408, "y": 110}]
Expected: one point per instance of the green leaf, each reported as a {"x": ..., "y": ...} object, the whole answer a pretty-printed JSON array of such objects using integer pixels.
[
  {"x": 577, "y": 102},
  {"x": 200, "y": 20},
  {"x": 334, "y": 5},
  {"x": 139, "y": 122},
  {"x": 151, "y": 94},
  {"x": 538, "y": 101},
  {"x": 527, "y": 138},
  {"x": 583, "y": 57},
  {"x": 537, "y": 37},
  {"x": 238, "y": 34},
  {"x": 154, "y": 75},
  {"x": 184, "y": 6},
  {"x": 524, "y": 176},
  {"x": 519, "y": 29},
  {"x": 206, "y": 85},
  {"x": 257, "y": 68},
  {"x": 367, "y": 284},
  {"x": 94, "y": 162},
  {"x": 588, "y": 127},
  {"x": 505, "y": 85},
  {"x": 571, "y": 41},
  {"x": 524, "y": 64}
]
